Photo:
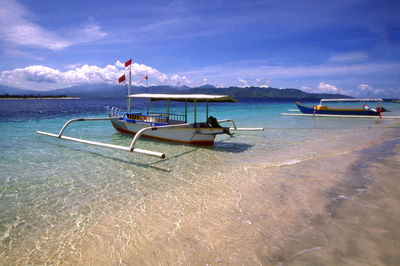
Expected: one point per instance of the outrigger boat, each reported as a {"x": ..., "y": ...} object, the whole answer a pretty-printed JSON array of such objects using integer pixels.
[
  {"x": 338, "y": 110},
  {"x": 164, "y": 126},
  {"x": 175, "y": 127}
]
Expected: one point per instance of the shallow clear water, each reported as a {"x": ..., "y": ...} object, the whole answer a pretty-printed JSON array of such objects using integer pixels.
[{"x": 260, "y": 197}]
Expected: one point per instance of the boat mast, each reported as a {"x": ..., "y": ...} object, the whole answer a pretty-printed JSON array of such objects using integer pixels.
[
  {"x": 128, "y": 101},
  {"x": 147, "y": 91}
]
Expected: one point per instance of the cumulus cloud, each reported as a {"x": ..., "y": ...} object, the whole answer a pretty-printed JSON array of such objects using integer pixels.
[
  {"x": 323, "y": 87},
  {"x": 41, "y": 77},
  {"x": 307, "y": 89},
  {"x": 369, "y": 91},
  {"x": 38, "y": 76},
  {"x": 365, "y": 87},
  {"x": 327, "y": 88},
  {"x": 243, "y": 83},
  {"x": 262, "y": 83},
  {"x": 177, "y": 80},
  {"x": 16, "y": 26}
]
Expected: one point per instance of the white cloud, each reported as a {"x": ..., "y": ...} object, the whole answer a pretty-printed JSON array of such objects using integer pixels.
[
  {"x": 307, "y": 89},
  {"x": 243, "y": 83},
  {"x": 177, "y": 80},
  {"x": 365, "y": 87},
  {"x": 369, "y": 91},
  {"x": 262, "y": 83},
  {"x": 42, "y": 78},
  {"x": 327, "y": 88},
  {"x": 324, "y": 88},
  {"x": 163, "y": 78},
  {"x": 16, "y": 26},
  {"x": 39, "y": 77},
  {"x": 119, "y": 64}
]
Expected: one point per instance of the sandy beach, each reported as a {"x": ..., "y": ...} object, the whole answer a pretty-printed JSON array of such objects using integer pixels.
[{"x": 365, "y": 228}]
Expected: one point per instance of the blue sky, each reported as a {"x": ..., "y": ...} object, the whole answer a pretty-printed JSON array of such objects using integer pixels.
[{"x": 350, "y": 47}]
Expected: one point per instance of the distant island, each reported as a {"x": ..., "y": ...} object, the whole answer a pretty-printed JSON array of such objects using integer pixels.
[
  {"x": 120, "y": 91},
  {"x": 18, "y": 97},
  {"x": 266, "y": 93}
]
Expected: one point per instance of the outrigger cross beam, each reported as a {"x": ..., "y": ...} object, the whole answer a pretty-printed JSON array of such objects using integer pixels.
[{"x": 131, "y": 148}]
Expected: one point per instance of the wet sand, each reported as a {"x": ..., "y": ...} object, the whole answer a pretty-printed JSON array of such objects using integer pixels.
[{"x": 365, "y": 229}]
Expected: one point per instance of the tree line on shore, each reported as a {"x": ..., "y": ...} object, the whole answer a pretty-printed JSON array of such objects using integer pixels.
[{"x": 31, "y": 96}]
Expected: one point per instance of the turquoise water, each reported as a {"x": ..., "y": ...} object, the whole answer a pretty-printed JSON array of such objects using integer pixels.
[{"x": 65, "y": 202}]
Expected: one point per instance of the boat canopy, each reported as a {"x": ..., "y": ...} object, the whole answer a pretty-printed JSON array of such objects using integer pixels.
[
  {"x": 185, "y": 97},
  {"x": 352, "y": 100}
]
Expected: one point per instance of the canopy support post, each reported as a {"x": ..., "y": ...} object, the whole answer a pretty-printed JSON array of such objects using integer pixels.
[
  {"x": 168, "y": 109},
  {"x": 206, "y": 110},
  {"x": 147, "y": 91},
  {"x": 195, "y": 111},
  {"x": 185, "y": 111}
]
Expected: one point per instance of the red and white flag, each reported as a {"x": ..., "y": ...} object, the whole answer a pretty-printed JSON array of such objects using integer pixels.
[
  {"x": 145, "y": 77},
  {"x": 121, "y": 79},
  {"x": 128, "y": 63}
]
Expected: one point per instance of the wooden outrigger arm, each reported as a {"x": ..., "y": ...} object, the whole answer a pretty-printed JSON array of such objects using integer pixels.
[{"x": 131, "y": 148}]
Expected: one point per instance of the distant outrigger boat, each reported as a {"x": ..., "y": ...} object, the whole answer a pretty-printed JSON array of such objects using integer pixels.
[
  {"x": 163, "y": 126},
  {"x": 361, "y": 110}
]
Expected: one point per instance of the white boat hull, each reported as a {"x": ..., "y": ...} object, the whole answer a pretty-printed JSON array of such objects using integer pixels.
[{"x": 185, "y": 134}]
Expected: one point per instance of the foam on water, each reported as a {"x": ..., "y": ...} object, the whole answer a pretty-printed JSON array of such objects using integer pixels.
[{"x": 254, "y": 198}]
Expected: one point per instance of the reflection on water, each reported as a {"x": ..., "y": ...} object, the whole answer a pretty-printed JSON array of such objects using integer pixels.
[{"x": 278, "y": 196}]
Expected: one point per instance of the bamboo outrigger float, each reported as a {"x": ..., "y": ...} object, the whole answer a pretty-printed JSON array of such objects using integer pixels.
[{"x": 164, "y": 126}]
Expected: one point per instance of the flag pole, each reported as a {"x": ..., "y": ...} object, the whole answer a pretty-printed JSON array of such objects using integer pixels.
[
  {"x": 128, "y": 101},
  {"x": 147, "y": 91}
]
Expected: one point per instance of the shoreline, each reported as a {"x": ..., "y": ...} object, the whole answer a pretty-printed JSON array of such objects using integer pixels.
[
  {"x": 42, "y": 98},
  {"x": 363, "y": 225}
]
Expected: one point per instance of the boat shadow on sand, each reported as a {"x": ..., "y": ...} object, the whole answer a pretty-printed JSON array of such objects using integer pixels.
[
  {"x": 230, "y": 147},
  {"x": 118, "y": 159},
  {"x": 220, "y": 146}
]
